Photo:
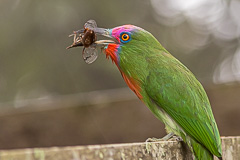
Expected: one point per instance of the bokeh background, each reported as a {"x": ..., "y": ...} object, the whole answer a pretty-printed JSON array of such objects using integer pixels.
[{"x": 50, "y": 97}]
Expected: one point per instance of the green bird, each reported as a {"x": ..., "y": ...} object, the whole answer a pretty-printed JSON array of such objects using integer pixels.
[{"x": 167, "y": 87}]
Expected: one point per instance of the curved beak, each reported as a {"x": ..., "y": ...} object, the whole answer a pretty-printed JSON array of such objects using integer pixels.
[{"x": 103, "y": 32}]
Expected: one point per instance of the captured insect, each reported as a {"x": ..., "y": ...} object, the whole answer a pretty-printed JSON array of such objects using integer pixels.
[{"x": 86, "y": 37}]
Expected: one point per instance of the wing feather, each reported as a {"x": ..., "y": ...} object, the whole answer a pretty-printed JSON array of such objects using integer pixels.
[{"x": 175, "y": 89}]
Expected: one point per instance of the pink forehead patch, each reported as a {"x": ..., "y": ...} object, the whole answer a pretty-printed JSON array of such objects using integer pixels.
[{"x": 125, "y": 28}]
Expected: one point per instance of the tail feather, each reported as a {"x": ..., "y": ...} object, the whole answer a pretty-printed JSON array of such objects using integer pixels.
[{"x": 199, "y": 151}]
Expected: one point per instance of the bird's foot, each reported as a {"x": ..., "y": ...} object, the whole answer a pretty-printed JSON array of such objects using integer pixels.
[
  {"x": 165, "y": 138},
  {"x": 168, "y": 137}
]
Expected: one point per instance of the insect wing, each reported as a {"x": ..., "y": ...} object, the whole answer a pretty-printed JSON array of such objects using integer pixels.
[
  {"x": 90, "y": 54},
  {"x": 90, "y": 24}
]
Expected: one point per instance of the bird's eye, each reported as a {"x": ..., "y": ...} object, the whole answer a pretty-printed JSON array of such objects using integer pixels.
[{"x": 125, "y": 37}]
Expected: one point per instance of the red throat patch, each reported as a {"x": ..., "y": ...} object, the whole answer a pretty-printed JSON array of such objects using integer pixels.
[{"x": 111, "y": 52}]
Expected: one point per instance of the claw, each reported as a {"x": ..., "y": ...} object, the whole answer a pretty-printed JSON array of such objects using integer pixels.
[{"x": 165, "y": 138}]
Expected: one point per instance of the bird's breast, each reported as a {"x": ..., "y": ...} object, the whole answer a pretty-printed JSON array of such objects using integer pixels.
[{"x": 133, "y": 85}]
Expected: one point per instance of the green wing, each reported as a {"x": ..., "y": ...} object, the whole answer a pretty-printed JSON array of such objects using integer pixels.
[{"x": 176, "y": 90}]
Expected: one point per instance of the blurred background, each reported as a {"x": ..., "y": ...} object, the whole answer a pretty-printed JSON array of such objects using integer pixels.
[{"x": 50, "y": 97}]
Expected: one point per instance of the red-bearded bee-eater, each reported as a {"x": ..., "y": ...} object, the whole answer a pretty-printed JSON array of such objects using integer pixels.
[{"x": 165, "y": 86}]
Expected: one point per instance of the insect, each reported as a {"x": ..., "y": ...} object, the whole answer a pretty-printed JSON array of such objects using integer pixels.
[{"x": 86, "y": 37}]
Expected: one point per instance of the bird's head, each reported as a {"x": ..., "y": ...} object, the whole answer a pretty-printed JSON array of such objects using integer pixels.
[{"x": 125, "y": 39}]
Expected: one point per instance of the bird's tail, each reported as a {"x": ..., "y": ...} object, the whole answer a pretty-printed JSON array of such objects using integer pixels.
[{"x": 199, "y": 151}]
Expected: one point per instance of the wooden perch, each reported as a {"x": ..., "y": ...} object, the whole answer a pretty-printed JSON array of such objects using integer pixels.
[{"x": 164, "y": 150}]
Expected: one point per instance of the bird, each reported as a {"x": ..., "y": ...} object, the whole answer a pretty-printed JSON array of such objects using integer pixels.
[{"x": 166, "y": 86}]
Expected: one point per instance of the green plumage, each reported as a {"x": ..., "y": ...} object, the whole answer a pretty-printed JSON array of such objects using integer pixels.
[{"x": 171, "y": 92}]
